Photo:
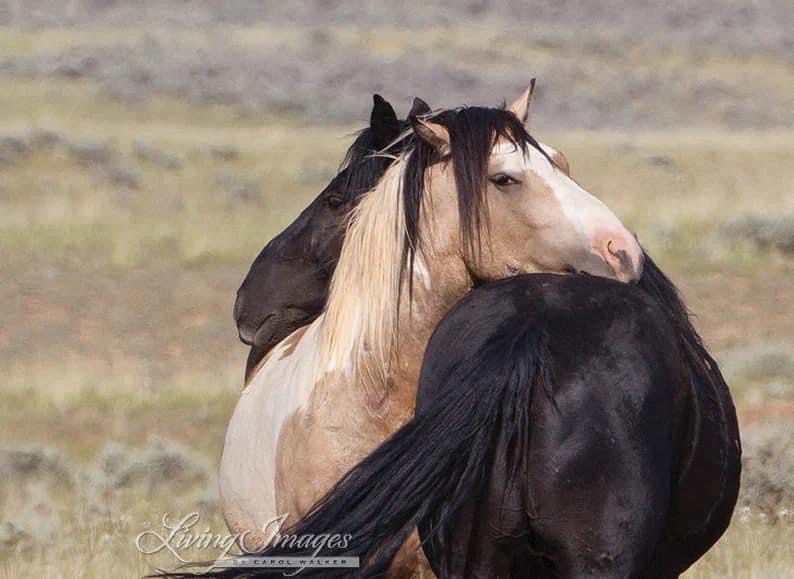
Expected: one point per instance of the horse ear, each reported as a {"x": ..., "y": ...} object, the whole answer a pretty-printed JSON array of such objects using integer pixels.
[
  {"x": 520, "y": 106},
  {"x": 419, "y": 108},
  {"x": 431, "y": 133},
  {"x": 383, "y": 121}
]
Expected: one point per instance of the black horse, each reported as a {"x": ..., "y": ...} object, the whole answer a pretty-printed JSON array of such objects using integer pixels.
[
  {"x": 566, "y": 426},
  {"x": 287, "y": 285}
]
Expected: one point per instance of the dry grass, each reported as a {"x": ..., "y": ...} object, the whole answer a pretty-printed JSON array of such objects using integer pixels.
[
  {"x": 83, "y": 520},
  {"x": 125, "y": 232},
  {"x": 749, "y": 550}
]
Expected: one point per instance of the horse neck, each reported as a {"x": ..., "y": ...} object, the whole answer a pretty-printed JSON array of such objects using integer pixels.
[
  {"x": 439, "y": 281},
  {"x": 361, "y": 312},
  {"x": 376, "y": 326}
]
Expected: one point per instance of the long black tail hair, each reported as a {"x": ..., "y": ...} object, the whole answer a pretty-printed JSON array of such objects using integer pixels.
[
  {"x": 430, "y": 466},
  {"x": 426, "y": 470},
  {"x": 715, "y": 424}
]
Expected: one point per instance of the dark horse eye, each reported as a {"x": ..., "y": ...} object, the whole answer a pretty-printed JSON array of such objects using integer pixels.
[
  {"x": 324, "y": 272},
  {"x": 502, "y": 180},
  {"x": 335, "y": 201}
]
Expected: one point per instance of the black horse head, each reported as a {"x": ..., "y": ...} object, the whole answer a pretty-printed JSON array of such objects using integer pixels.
[{"x": 287, "y": 284}]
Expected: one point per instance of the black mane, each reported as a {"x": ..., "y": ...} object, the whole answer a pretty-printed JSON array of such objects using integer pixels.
[
  {"x": 473, "y": 132},
  {"x": 366, "y": 161}
]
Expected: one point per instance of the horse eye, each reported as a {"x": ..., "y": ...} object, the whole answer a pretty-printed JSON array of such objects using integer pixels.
[
  {"x": 502, "y": 180},
  {"x": 334, "y": 201}
]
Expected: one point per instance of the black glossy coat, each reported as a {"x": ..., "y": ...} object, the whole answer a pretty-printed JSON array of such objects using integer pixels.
[{"x": 566, "y": 426}]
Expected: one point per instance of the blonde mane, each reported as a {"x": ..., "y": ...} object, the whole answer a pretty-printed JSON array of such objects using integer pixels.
[{"x": 359, "y": 330}]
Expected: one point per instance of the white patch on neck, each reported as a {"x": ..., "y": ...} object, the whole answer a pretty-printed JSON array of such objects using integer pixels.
[
  {"x": 421, "y": 271},
  {"x": 342, "y": 360},
  {"x": 280, "y": 388}
]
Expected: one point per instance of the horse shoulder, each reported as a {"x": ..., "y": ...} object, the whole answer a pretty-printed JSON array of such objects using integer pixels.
[{"x": 278, "y": 389}]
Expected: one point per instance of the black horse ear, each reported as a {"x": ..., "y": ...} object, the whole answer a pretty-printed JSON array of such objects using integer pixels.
[
  {"x": 383, "y": 121},
  {"x": 419, "y": 108}
]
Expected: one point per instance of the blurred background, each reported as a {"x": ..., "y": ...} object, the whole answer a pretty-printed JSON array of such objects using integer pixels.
[{"x": 149, "y": 149}]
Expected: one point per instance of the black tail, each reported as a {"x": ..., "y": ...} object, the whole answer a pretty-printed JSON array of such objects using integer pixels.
[
  {"x": 714, "y": 451},
  {"x": 703, "y": 368},
  {"x": 428, "y": 468},
  {"x": 656, "y": 284}
]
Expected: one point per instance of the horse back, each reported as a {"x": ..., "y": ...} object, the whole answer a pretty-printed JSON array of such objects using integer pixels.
[{"x": 597, "y": 456}]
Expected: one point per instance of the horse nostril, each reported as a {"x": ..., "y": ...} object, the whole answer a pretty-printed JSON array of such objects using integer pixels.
[{"x": 618, "y": 256}]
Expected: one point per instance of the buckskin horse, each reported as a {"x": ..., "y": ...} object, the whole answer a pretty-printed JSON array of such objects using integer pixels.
[
  {"x": 475, "y": 199},
  {"x": 287, "y": 285},
  {"x": 566, "y": 427}
]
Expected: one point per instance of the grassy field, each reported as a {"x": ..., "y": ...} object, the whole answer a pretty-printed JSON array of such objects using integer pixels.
[{"x": 126, "y": 227}]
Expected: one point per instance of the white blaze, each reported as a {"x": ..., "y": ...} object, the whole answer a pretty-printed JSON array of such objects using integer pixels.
[{"x": 586, "y": 214}]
